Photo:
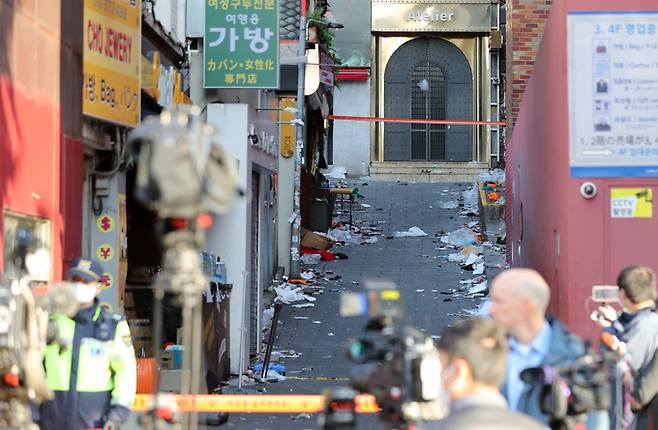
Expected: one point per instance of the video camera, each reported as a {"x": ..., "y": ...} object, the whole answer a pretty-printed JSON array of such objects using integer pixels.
[
  {"x": 570, "y": 392},
  {"x": 25, "y": 330},
  {"x": 400, "y": 367}
]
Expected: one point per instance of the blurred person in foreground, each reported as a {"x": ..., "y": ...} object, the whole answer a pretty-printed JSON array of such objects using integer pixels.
[
  {"x": 94, "y": 376},
  {"x": 473, "y": 355},
  {"x": 519, "y": 299},
  {"x": 637, "y": 327}
]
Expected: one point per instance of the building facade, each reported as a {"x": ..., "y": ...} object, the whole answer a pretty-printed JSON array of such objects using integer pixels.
[
  {"x": 432, "y": 60},
  {"x": 40, "y": 131}
]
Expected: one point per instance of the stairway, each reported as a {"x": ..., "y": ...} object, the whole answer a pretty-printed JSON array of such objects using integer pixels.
[{"x": 426, "y": 171}]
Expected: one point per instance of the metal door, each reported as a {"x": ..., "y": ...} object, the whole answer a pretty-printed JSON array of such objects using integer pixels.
[
  {"x": 447, "y": 93},
  {"x": 428, "y": 141}
]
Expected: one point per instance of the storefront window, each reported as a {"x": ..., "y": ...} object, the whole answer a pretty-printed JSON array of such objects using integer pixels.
[{"x": 23, "y": 235}]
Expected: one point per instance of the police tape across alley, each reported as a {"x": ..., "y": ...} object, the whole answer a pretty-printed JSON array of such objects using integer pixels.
[{"x": 252, "y": 403}]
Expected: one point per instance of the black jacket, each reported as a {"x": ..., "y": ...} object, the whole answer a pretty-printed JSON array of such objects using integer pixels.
[{"x": 481, "y": 412}]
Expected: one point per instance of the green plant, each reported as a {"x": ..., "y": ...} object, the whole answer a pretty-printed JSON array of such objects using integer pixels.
[{"x": 325, "y": 35}]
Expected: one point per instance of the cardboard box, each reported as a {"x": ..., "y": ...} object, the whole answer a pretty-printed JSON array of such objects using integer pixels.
[
  {"x": 166, "y": 359},
  {"x": 315, "y": 241}
]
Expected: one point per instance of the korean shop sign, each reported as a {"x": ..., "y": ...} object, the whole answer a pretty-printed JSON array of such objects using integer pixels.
[
  {"x": 112, "y": 60},
  {"x": 241, "y": 44}
]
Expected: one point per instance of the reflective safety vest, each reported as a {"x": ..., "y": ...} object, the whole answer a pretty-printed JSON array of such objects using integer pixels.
[{"x": 94, "y": 377}]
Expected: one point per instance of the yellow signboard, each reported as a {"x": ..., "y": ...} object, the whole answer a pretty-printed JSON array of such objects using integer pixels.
[
  {"x": 112, "y": 60},
  {"x": 631, "y": 203},
  {"x": 287, "y": 130}
]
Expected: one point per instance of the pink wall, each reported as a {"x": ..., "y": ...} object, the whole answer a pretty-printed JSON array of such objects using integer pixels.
[
  {"x": 544, "y": 201},
  {"x": 41, "y": 154}
]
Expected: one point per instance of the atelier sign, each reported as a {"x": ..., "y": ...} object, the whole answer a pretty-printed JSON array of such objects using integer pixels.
[{"x": 434, "y": 16}]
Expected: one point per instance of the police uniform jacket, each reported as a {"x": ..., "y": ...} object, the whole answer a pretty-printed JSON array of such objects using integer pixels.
[{"x": 94, "y": 377}]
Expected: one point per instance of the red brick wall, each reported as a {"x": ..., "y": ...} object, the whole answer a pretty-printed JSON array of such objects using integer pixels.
[{"x": 525, "y": 29}]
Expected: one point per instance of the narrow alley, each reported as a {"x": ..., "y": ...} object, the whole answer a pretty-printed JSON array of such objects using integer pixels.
[{"x": 418, "y": 265}]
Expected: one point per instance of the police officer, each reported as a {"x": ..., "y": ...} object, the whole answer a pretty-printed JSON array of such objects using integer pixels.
[{"x": 94, "y": 376}]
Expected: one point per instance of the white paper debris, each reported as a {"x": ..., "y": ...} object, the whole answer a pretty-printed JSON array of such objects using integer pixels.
[
  {"x": 311, "y": 258},
  {"x": 335, "y": 172},
  {"x": 496, "y": 175},
  {"x": 478, "y": 288},
  {"x": 473, "y": 259},
  {"x": 338, "y": 235},
  {"x": 484, "y": 308},
  {"x": 471, "y": 199},
  {"x": 274, "y": 375},
  {"x": 365, "y": 205},
  {"x": 307, "y": 275},
  {"x": 478, "y": 269},
  {"x": 456, "y": 258},
  {"x": 461, "y": 237},
  {"x": 412, "y": 232},
  {"x": 288, "y": 294},
  {"x": 304, "y": 305},
  {"x": 452, "y": 204}
]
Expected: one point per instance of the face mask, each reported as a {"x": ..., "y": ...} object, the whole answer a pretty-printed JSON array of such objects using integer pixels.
[{"x": 85, "y": 293}]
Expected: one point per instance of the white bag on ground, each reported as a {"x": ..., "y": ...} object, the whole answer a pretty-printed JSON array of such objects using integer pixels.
[
  {"x": 412, "y": 232},
  {"x": 459, "y": 238}
]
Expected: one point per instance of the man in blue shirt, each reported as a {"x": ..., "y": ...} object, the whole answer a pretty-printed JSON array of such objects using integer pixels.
[{"x": 519, "y": 299}]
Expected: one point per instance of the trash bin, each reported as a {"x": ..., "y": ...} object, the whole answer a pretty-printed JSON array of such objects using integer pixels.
[{"x": 216, "y": 342}]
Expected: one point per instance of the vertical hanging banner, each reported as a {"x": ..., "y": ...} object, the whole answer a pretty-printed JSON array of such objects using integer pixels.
[
  {"x": 241, "y": 44},
  {"x": 112, "y": 60}
]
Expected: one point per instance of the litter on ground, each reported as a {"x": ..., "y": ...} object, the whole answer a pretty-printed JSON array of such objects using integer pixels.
[
  {"x": 461, "y": 237},
  {"x": 412, "y": 232},
  {"x": 452, "y": 204}
]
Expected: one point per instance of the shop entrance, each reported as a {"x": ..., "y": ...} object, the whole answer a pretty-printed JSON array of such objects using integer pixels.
[{"x": 428, "y": 78}]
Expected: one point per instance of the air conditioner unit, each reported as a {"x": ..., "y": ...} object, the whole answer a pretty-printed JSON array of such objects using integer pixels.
[{"x": 195, "y": 19}]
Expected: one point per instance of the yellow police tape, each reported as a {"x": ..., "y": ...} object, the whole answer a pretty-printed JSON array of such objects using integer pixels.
[{"x": 254, "y": 403}]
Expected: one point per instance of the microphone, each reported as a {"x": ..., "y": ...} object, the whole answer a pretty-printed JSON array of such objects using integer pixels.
[
  {"x": 613, "y": 343},
  {"x": 60, "y": 299}
]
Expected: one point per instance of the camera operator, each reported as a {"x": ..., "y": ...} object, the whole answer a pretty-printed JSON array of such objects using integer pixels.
[
  {"x": 519, "y": 299},
  {"x": 637, "y": 325},
  {"x": 473, "y": 356},
  {"x": 94, "y": 377}
]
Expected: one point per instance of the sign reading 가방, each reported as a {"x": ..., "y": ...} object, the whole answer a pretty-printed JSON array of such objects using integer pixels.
[
  {"x": 613, "y": 94},
  {"x": 112, "y": 60},
  {"x": 241, "y": 44}
]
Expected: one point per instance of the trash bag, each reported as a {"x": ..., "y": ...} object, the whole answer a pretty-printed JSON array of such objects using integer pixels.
[
  {"x": 496, "y": 175},
  {"x": 287, "y": 294},
  {"x": 338, "y": 235},
  {"x": 412, "y": 232},
  {"x": 471, "y": 199},
  {"x": 311, "y": 258},
  {"x": 461, "y": 237},
  {"x": 452, "y": 204}
]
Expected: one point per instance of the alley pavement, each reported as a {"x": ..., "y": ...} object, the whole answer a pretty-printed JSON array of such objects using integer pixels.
[{"x": 418, "y": 265}]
